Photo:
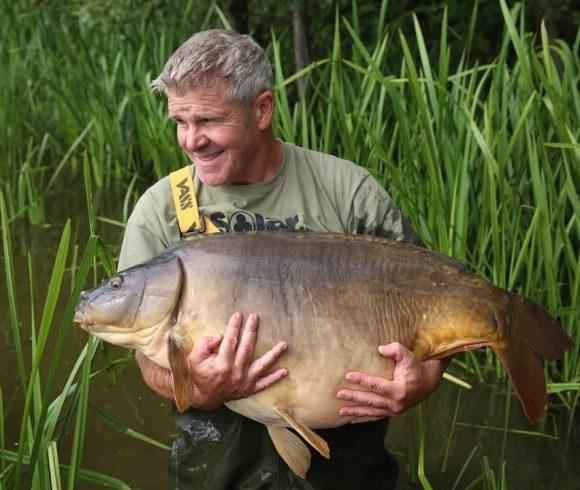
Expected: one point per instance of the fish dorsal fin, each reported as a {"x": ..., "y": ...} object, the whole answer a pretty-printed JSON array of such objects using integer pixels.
[
  {"x": 179, "y": 345},
  {"x": 309, "y": 435},
  {"x": 291, "y": 449}
]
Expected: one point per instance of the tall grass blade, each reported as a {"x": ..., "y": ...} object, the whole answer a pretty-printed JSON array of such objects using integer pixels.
[
  {"x": 2, "y": 446},
  {"x": 223, "y": 19},
  {"x": 464, "y": 468},
  {"x": 45, "y": 324},
  {"x": 119, "y": 426},
  {"x": 85, "y": 475},
  {"x": 79, "y": 432},
  {"x": 421, "y": 460},
  {"x": 11, "y": 290},
  {"x": 451, "y": 432},
  {"x": 89, "y": 192},
  {"x": 62, "y": 163},
  {"x": 55, "y": 483},
  {"x": 63, "y": 334},
  {"x": 510, "y": 431},
  {"x": 505, "y": 428}
]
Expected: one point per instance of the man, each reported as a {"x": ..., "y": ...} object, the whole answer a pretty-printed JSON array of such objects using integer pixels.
[{"x": 219, "y": 92}]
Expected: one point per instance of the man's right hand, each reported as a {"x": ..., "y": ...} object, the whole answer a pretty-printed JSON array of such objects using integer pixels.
[{"x": 221, "y": 366}]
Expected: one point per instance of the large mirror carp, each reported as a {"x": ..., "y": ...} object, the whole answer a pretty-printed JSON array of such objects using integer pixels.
[{"x": 333, "y": 298}]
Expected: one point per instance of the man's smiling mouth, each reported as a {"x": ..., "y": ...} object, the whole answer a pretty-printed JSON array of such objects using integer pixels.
[{"x": 209, "y": 157}]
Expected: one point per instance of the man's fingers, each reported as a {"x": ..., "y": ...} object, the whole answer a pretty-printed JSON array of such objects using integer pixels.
[
  {"x": 395, "y": 351},
  {"x": 365, "y": 398},
  {"x": 362, "y": 420},
  {"x": 366, "y": 412},
  {"x": 262, "y": 364},
  {"x": 247, "y": 342},
  {"x": 207, "y": 345},
  {"x": 375, "y": 384},
  {"x": 270, "y": 379},
  {"x": 230, "y": 341}
]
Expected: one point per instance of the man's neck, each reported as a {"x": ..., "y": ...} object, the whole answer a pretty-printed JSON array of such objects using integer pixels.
[{"x": 267, "y": 162}]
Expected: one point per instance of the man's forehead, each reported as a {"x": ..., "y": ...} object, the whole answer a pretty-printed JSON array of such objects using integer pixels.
[
  {"x": 199, "y": 104},
  {"x": 205, "y": 110},
  {"x": 199, "y": 100}
]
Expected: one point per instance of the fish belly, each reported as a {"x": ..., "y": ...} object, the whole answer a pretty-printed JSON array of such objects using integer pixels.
[
  {"x": 317, "y": 368},
  {"x": 309, "y": 393}
]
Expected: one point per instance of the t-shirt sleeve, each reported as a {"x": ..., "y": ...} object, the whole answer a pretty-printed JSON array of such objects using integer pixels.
[
  {"x": 139, "y": 245},
  {"x": 373, "y": 212},
  {"x": 143, "y": 237}
]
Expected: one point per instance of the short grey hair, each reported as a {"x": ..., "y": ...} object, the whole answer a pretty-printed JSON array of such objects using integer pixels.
[{"x": 217, "y": 55}]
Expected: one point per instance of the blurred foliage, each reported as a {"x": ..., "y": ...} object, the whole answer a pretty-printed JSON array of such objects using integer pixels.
[
  {"x": 265, "y": 16},
  {"x": 262, "y": 17}
]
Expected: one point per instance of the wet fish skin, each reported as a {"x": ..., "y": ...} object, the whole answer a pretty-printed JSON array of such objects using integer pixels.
[{"x": 334, "y": 299}]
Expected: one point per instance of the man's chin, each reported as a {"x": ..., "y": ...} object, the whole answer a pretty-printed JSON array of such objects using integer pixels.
[
  {"x": 212, "y": 176},
  {"x": 211, "y": 179}
]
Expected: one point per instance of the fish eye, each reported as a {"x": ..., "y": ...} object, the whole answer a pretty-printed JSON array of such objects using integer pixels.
[{"x": 116, "y": 282}]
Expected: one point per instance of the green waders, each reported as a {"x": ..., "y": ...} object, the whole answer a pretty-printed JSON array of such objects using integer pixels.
[{"x": 222, "y": 450}]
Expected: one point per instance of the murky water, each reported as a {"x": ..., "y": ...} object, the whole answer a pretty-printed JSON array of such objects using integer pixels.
[{"x": 530, "y": 460}]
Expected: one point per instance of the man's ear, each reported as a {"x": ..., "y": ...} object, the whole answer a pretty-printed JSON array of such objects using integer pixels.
[{"x": 264, "y": 110}]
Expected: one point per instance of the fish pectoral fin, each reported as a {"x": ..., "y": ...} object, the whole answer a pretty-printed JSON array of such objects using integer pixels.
[
  {"x": 309, "y": 435},
  {"x": 452, "y": 346},
  {"x": 179, "y": 345},
  {"x": 291, "y": 449}
]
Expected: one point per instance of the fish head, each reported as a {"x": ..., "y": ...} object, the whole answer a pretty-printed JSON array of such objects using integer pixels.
[{"x": 127, "y": 308}]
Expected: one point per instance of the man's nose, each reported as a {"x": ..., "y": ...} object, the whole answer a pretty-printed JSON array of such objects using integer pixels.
[{"x": 195, "y": 140}]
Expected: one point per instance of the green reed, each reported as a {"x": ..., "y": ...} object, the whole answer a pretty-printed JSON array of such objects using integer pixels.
[
  {"x": 482, "y": 157},
  {"x": 48, "y": 414}
]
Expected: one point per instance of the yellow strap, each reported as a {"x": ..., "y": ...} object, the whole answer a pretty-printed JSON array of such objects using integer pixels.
[{"x": 188, "y": 215}]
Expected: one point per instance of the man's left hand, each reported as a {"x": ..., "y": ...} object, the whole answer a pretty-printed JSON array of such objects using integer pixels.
[{"x": 413, "y": 381}]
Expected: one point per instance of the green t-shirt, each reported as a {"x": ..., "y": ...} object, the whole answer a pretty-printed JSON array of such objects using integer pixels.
[
  {"x": 312, "y": 191},
  {"x": 220, "y": 449}
]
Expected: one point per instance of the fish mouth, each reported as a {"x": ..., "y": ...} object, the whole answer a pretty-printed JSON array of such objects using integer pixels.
[
  {"x": 80, "y": 311},
  {"x": 81, "y": 318}
]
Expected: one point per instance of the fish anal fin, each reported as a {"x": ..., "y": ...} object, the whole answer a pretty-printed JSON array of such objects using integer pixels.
[
  {"x": 179, "y": 345},
  {"x": 452, "y": 346},
  {"x": 308, "y": 434},
  {"x": 291, "y": 449}
]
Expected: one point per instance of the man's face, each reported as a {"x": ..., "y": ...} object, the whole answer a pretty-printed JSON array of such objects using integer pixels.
[{"x": 217, "y": 135}]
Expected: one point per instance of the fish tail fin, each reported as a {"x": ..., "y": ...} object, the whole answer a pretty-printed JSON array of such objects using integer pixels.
[{"x": 533, "y": 335}]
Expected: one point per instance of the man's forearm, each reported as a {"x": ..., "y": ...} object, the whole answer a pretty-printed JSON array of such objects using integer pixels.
[
  {"x": 156, "y": 377},
  {"x": 160, "y": 381},
  {"x": 441, "y": 366}
]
